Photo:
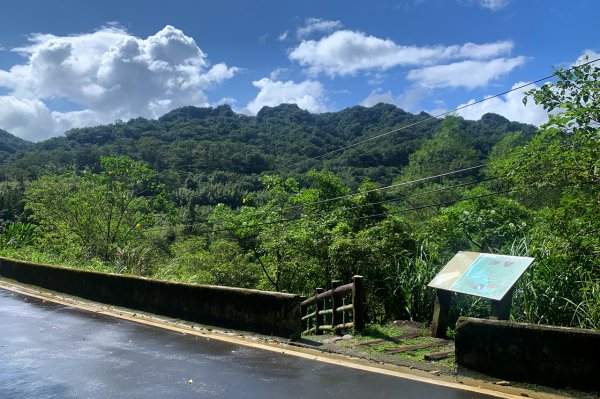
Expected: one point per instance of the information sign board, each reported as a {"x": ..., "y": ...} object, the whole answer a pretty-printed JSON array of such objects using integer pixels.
[{"x": 479, "y": 274}]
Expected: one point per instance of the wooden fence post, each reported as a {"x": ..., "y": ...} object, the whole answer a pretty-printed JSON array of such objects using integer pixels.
[
  {"x": 358, "y": 303},
  {"x": 501, "y": 308},
  {"x": 335, "y": 303},
  {"x": 440, "y": 313},
  {"x": 318, "y": 308},
  {"x": 303, "y": 312}
]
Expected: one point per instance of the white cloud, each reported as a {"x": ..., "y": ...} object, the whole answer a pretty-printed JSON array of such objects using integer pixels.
[
  {"x": 317, "y": 25},
  {"x": 225, "y": 101},
  {"x": 510, "y": 106},
  {"x": 409, "y": 100},
  {"x": 308, "y": 95},
  {"x": 111, "y": 75},
  {"x": 378, "y": 96},
  {"x": 493, "y": 5},
  {"x": 22, "y": 117},
  {"x": 587, "y": 56},
  {"x": 278, "y": 73},
  {"x": 283, "y": 36},
  {"x": 468, "y": 74},
  {"x": 346, "y": 52}
]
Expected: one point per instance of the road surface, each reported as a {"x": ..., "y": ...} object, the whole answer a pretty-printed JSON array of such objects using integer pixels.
[{"x": 49, "y": 350}]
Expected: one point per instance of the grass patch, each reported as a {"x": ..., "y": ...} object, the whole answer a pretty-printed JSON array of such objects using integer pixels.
[{"x": 376, "y": 331}]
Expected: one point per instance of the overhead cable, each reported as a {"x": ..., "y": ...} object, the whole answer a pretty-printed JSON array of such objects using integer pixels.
[{"x": 447, "y": 112}]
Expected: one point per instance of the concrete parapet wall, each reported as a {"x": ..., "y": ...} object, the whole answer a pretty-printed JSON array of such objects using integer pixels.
[
  {"x": 547, "y": 355},
  {"x": 249, "y": 310}
]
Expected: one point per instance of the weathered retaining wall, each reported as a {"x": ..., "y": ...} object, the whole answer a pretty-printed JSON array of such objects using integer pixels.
[
  {"x": 547, "y": 355},
  {"x": 249, "y": 310}
]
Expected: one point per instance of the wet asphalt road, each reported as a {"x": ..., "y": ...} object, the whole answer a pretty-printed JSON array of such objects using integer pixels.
[{"x": 53, "y": 351}]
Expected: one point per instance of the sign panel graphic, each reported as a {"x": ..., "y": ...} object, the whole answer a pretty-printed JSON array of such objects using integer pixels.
[{"x": 484, "y": 275}]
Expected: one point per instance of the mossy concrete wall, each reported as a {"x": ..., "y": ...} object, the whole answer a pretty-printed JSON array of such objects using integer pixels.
[
  {"x": 249, "y": 310},
  {"x": 547, "y": 355}
]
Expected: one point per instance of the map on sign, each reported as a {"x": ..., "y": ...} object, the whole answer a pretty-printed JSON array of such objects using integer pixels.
[{"x": 484, "y": 275}]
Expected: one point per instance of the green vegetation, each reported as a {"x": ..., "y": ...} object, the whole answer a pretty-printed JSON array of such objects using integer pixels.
[
  {"x": 207, "y": 196},
  {"x": 396, "y": 343}
]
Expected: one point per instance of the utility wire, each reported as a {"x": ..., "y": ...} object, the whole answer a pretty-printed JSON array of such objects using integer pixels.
[
  {"x": 391, "y": 186},
  {"x": 345, "y": 209},
  {"x": 422, "y": 121},
  {"x": 290, "y": 220},
  {"x": 402, "y": 183},
  {"x": 318, "y": 214},
  {"x": 441, "y": 203},
  {"x": 446, "y": 113},
  {"x": 421, "y": 193},
  {"x": 293, "y": 207}
]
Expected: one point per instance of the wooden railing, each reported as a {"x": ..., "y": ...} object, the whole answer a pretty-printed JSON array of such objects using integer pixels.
[{"x": 342, "y": 307}]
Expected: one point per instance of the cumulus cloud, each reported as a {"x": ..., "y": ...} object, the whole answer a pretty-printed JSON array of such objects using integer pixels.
[
  {"x": 225, "y": 101},
  {"x": 317, "y": 25},
  {"x": 23, "y": 117},
  {"x": 346, "y": 52},
  {"x": 110, "y": 74},
  {"x": 468, "y": 73},
  {"x": 510, "y": 106},
  {"x": 308, "y": 95}
]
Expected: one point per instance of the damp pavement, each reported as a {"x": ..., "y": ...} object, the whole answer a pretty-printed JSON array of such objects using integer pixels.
[{"x": 49, "y": 350}]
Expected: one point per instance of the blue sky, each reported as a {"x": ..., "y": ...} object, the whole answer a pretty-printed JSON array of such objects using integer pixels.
[{"x": 66, "y": 64}]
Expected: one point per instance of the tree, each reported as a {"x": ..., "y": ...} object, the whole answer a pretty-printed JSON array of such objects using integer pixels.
[
  {"x": 258, "y": 231},
  {"x": 565, "y": 153},
  {"x": 449, "y": 149},
  {"x": 99, "y": 213},
  {"x": 559, "y": 172}
]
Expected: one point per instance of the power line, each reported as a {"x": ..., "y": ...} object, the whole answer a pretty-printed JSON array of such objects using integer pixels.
[
  {"x": 290, "y": 220},
  {"x": 422, "y": 193},
  {"x": 445, "y": 113},
  {"x": 292, "y": 207},
  {"x": 345, "y": 209},
  {"x": 319, "y": 214},
  {"x": 391, "y": 186},
  {"x": 442, "y": 203},
  {"x": 394, "y": 131},
  {"x": 419, "y": 122}
]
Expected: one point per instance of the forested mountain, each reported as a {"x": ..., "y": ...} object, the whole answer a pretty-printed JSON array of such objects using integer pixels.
[
  {"x": 10, "y": 144},
  {"x": 224, "y": 153}
]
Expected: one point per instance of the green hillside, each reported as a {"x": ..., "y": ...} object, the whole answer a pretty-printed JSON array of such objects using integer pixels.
[{"x": 194, "y": 146}]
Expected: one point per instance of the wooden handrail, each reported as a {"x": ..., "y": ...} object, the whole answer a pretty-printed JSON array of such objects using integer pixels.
[
  {"x": 341, "y": 309},
  {"x": 326, "y": 294},
  {"x": 309, "y": 316},
  {"x": 336, "y": 312}
]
